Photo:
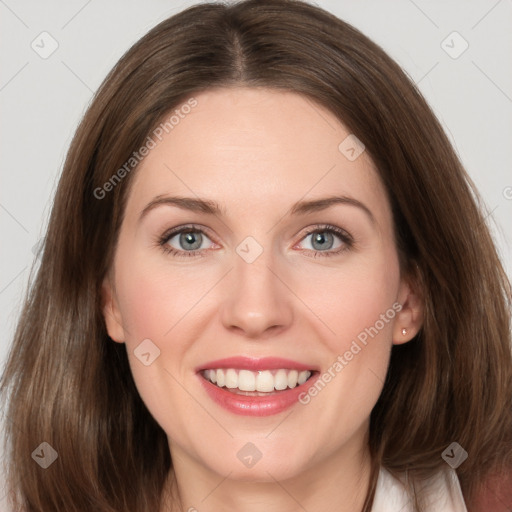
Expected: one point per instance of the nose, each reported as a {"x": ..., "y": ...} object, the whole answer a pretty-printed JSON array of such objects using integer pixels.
[{"x": 257, "y": 302}]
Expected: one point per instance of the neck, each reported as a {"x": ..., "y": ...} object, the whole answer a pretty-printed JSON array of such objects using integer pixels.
[{"x": 337, "y": 483}]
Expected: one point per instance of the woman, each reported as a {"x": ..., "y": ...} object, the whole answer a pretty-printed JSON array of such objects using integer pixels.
[{"x": 335, "y": 337}]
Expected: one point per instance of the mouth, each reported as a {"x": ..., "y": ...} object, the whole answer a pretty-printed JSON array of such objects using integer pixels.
[
  {"x": 256, "y": 387},
  {"x": 256, "y": 383}
]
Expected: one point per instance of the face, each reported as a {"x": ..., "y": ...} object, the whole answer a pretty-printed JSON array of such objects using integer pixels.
[{"x": 264, "y": 284}]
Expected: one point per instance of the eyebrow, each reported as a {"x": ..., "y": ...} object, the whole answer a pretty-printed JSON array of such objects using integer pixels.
[{"x": 212, "y": 208}]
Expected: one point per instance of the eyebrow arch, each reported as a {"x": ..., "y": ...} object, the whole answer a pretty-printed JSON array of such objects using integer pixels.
[
  {"x": 212, "y": 208},
  {"x": 304, "y": 207},
  {"x": 185, "y": 203}
]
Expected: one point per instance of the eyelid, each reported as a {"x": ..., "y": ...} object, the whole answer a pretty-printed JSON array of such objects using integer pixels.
[
  {"x": 185, "y": 227},
  {"x": 347, "y": 240},
  {"x": 320, "y": 228},
  {"x": 162, "y": 241}
]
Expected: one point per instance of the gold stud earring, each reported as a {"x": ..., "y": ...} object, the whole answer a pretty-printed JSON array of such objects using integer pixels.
[{"x": 404, "y": 331}]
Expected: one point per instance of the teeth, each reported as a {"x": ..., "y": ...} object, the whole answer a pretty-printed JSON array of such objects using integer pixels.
[
  {"x": 246, "y": 380},
  {"x": 263, "y": 381},
  {"x": 293, "y": 376},
  {"x": 302, "y": 377},
  {"x": 231, "y": 379},
  {"x": 281, "y": 381}
]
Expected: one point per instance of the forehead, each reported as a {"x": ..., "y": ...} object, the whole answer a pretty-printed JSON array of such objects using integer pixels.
[{"x": 245, "y": 146}]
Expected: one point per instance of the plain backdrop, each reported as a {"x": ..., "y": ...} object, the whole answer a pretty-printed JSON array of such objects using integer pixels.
[{"x": 42, "y": 98}]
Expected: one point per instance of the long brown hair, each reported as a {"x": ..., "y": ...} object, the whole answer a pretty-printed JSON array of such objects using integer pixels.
[{"x": 66, "y": 383}]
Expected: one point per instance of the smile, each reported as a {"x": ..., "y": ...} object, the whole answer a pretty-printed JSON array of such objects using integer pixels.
[
  {"x": 259, "y": 382},
  {"x": 255, "y": 387}
]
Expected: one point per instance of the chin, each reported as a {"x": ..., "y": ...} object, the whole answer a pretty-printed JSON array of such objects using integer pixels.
[{"x": 249, "y": 465}]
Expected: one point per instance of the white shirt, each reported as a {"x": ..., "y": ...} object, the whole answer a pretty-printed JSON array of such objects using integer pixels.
[{"x": 442, "y": 493}]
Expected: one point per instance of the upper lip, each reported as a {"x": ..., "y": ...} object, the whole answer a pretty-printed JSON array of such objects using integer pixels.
[{"x": 255, "y": 363}]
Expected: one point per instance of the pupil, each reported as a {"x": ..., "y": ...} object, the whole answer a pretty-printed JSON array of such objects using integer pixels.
[
  {"x": 322, "y": 239},
  {"x": 192, "y": 239}
]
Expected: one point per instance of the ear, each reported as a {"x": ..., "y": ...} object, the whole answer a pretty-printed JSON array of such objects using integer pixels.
[
  {"x": 111, "y": 312},
  {"x": 410, "y": 318}
]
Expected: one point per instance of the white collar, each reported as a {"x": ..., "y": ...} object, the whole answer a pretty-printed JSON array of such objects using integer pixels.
[{"x": 442, "y": 493}]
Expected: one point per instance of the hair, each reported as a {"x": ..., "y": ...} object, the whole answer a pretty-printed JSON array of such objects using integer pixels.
[{"x": 66, "y": 383}]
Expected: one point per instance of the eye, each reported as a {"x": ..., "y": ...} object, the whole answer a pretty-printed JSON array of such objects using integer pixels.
[
  {"x": 328, "y": 240},
  {"x": 189, "y": 241},
  {"x": 185, "y": 241}
]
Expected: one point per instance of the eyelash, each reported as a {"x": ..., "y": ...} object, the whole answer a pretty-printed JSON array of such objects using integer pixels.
[{"x": 347, "y": 240}]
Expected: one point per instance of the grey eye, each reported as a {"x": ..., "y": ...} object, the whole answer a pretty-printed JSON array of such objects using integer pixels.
[{"x": 190, "y": 240}]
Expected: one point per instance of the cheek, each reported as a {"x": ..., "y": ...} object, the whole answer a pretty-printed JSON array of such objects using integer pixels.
[
  {"x": 352, "y": 299},
  {"x": 154, "y": 298},
  {"x": 144, "y": 311},
  {"x": 152, "y": 302},
  {"x": 358, "y": 306}
]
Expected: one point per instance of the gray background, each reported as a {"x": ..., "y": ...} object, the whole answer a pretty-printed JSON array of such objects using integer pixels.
[{"x": 42, "y": 99}]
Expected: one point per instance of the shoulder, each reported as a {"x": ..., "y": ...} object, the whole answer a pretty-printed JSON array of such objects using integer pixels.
[{"x": 440, "y": 492}]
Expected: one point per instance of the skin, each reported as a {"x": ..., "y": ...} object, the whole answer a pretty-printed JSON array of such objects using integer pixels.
[{"x": 256, "y": 152}]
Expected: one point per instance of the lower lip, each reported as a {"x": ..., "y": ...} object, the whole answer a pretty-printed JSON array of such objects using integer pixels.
[{"x": 256, "y": 405}]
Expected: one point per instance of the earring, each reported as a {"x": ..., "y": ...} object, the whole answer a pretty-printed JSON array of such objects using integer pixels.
[{"x": 404, "y": 331}]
